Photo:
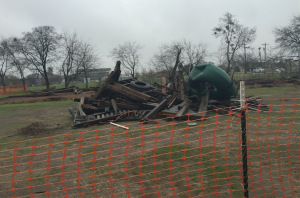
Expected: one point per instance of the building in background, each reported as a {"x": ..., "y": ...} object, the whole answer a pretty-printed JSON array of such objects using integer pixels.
[{"x": 94, "y": 75}]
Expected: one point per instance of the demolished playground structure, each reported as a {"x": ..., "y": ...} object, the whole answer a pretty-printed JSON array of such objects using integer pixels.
[{"x": 131, "y": 99}]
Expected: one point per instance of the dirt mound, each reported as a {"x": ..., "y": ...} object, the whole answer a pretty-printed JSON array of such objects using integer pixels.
[
  {"x": 34, "y": 129},
  {"x": 59, "y": 97}
]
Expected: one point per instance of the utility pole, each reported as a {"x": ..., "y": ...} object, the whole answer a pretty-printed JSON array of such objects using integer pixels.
[
  {"x": 265, "y": 48},
  {"x": 245, "y": 57},
  {"x": 259, "y": 54}
]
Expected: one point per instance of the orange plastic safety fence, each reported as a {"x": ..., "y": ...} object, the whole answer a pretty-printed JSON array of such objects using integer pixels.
[
  {"x": 13, "y": 89},
  {"x": 165, "y": 159}
]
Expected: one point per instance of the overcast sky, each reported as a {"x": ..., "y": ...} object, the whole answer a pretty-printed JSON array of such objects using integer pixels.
[{"x": 112, "y": 22}]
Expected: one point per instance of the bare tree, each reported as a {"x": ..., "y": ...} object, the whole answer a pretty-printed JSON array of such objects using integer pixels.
[
  {"x": 128, "y": 54},
  {"x": 194, "y": 54},
  {"x": 4, "y": 60},
  {"x": 220, "y": 57},
  {"x": 39, "y": 48},
  {"x": 162, "y": 61},
  {"x": 245, "y": 60},
  {"x": 234, "y": 36},
  {"x": 70, "y": 54},
  {"x": 18, "y": 61},
  {"x": 88, "y": 59},
  {"x": 288, "y": 37},
  {"x": 168, "y": 58}
]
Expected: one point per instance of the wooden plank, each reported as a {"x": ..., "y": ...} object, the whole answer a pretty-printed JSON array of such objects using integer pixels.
[
  {"x": 125, "y": 92},
  {"x": 140, "y": 94},
  {"x": 182, "y": 104},
  {"x": 82, "y": 98},
  {"x": 222, "y": 111},
  {"x": 81, "y": 113},
  {"x": 203, "y": 104},
  {"x": 72, "y": 112},
  {"x": 159, "y": 107},
  {"x": 112, "y": 77},
  {"x": 170, "y": 103},
  {"x": 136, "y": 106},
  {"x": 184, "y": 108},
  {"x": 114, "y": 105},
  {"x": 176, "y": 82},
  {"x": 160, "y": 85},
  {"x": 181, "y": 82},
  {"x": 164, "y": 82}
]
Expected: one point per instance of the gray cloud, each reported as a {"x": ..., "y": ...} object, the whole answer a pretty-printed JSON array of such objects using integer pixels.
[{"x": 151, "y": 23}]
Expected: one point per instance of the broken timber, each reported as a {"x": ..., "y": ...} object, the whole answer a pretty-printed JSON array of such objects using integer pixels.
[
  {"x": 203, "y": 104},
  {"x": 158, "y": 107},
  {"x": 184, "y": 108},
  {"x": 130, "y": 93},
  {"x": 113, "y": 77},
  {"x": 114, "y": 105}
]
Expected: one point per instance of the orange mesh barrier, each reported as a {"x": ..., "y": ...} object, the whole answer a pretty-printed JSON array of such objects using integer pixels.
[
  {"x": 13, "y": 89},
  {"x": 169, "y": 158}
]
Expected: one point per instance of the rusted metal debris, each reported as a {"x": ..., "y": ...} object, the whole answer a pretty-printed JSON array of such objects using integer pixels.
[{"x": 118, "y": 100}]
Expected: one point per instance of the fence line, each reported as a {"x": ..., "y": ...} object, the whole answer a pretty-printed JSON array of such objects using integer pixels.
[
  {"x": 165, "y": 159},
  {"x": 13, "y": 89}
]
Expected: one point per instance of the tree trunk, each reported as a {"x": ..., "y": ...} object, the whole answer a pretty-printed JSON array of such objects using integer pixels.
[
  {"x": 133, "y": 72},
  {"x": 47, "y": 83},
  {"x": 23, "y": 81},
  {"x": 228, "y": 68},
  {"x": 171, "y": 78},
  {"x": 3, "y": 83},
  {"x": 86, "y": 80},
  {"x": 66, "y": 84},
  {"x": 66, "y": 81}
]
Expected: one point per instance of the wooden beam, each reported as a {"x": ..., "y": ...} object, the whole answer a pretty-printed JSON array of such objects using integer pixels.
[
  {"x": 81, "y": 113},
  {"x": 82, "y": 98},
  {"x": 172, "y": 101},
  {"x": 159, "y": 107},
  {"x": 124, "y": 92},
  {"x": 176, "y": 82},
  {"x": 72, "y": 112},
  {"x": 140, "y": 94},
  {"x": 181, "y": 81},
  {"x": 184, "y": 108},
  {"x": 114, "y": 105},
  {"x": 203, "y": 104},
  {"x": 164, "y": 81},
  {"x": 112, "y": 77}
]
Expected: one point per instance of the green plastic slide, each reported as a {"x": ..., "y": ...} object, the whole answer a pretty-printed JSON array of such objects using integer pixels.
[{"x": 223, "y": 86}]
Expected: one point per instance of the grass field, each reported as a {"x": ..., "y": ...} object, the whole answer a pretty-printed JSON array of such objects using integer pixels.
[
  {"x": 267, "y": 75},
  {"x": 215, "y": 169}
]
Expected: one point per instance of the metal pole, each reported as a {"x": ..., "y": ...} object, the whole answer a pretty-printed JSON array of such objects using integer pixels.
[
  {"x": 244, "y": 138},
  {"x": 265, "y": 48},
  {"x": 245, "y": 153}
]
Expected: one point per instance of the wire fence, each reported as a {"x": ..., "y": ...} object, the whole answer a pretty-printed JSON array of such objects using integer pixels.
[{"x": 170, "y": 158}]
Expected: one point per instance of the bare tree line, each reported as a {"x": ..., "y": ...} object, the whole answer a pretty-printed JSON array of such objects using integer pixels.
[{"x": 42, "y": 49}]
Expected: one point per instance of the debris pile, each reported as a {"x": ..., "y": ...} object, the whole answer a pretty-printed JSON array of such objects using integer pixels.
[{"x": 131, "y": 99}]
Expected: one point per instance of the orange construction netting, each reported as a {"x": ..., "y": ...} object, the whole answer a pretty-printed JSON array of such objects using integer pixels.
[
  {"x": 170, "y": 158},
  {"x": 13, "y": 89}
]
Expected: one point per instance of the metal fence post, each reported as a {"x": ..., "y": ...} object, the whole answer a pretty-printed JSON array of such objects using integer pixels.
[{"x": 244, "y": 138}]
